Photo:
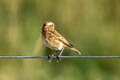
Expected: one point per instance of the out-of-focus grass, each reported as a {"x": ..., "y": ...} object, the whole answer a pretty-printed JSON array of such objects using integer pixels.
[{"x": 92, "y": 26}]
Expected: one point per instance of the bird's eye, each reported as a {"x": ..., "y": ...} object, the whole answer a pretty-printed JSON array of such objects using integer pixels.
[{"x": 44, "y": 24}]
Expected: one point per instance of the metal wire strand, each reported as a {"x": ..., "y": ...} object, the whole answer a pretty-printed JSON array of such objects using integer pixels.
[{"x": 65, "y": 57}]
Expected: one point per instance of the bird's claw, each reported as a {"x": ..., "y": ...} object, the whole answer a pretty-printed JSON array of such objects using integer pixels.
[
  {"x": 49, "y": 58},
  {"x": 58, "y": 58}
]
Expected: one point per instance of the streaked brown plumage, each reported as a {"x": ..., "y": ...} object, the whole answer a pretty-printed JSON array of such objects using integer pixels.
[{"x": 54, "y": 40}]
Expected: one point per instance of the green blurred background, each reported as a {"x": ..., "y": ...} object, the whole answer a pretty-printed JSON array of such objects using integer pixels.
[{"x": 93, "y": 26}]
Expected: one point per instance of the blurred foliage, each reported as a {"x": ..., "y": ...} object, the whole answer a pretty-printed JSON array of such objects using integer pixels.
[{"x": 92, "y": 26}]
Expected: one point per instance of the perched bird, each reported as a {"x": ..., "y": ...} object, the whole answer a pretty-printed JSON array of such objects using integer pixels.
[{"x": 55, "y": 41}]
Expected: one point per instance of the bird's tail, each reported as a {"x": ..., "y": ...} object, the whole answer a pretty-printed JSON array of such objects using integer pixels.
[{"x": 76, "y": 50}]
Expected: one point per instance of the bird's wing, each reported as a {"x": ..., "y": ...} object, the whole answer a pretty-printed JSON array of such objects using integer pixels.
[{"x": 61, "y": 38}]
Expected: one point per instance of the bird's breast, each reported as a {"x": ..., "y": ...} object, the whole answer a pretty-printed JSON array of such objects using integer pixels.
[{"x": 51, "y": 41}]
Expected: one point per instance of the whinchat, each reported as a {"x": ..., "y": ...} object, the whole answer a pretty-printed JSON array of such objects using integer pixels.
[{"x": 55, "y": 41}]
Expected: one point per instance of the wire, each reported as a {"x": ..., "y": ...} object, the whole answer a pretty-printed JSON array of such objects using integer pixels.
[{"x": 66, "y": 57}]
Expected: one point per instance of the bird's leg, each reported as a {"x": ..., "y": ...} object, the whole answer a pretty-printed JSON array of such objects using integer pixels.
[
  {"x": 49, "y": 58},
  {"x": 58, "y": 59},
  {"x": 61, "y": 52}
]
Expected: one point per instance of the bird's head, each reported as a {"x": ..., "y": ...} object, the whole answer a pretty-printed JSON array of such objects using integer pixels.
[{"x": 48, "y": 26}]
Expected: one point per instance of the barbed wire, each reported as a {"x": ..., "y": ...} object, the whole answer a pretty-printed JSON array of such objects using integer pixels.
[{"x": 65, "y": 57}]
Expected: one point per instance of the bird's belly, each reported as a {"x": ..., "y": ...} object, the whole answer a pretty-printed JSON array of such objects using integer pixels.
[{"x": 53, "y": 44}]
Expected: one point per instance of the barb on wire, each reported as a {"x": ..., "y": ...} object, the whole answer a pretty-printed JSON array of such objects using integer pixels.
[{"x": 65, "y": 57}]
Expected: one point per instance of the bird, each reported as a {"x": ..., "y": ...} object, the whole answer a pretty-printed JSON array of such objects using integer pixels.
[{"x": 54, "y": 40}]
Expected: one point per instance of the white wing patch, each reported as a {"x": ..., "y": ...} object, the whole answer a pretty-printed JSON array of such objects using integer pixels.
[{"x": 60, "y": 46}]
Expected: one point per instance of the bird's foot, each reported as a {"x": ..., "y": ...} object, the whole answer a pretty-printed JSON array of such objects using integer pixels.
[
  {"x": 49, "y": 58},
  {"x": 58, "y": 58}
]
